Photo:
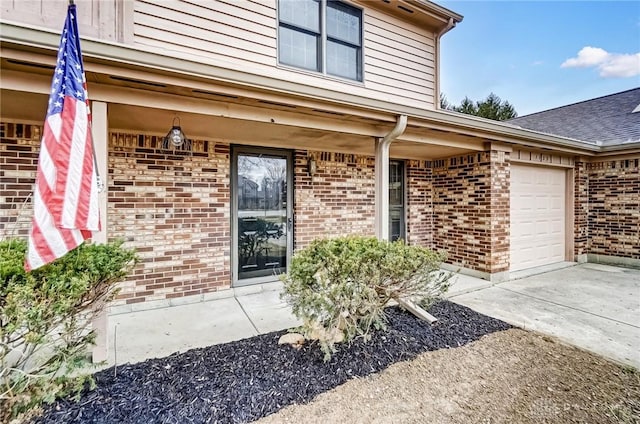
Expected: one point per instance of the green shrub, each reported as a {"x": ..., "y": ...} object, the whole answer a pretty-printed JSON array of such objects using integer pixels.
[
  {"x": 339, "y": 287},
  {"x": 45, "y": 320}
]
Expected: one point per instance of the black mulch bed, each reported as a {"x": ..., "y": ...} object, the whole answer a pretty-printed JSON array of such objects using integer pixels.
[{"x": 248, "y": 379}]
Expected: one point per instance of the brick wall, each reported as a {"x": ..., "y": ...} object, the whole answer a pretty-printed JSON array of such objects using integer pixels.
[
  {"x": 174, "y": 208},
  {"x": 338, "y": 200},
  {"x": 614, "y": 208},
  {"x": 581, "y": 208},
  {"x": 500, "y": 228},
  {"x": 419, "y": 189},
  {"x": 19, "y": 147},
  {"x": 471, "y": 210}
]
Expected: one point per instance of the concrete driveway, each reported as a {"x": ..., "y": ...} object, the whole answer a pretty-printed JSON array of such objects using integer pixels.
[{"x": 593, "y": 306}]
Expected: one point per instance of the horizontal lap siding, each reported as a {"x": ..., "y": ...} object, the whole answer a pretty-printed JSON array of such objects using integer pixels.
[
  {"x": 208, "y": 29},
  {"x": 96, "y": 18},
  {"x": 399, "y": 58},
  {"x": 242, "y": 35}
]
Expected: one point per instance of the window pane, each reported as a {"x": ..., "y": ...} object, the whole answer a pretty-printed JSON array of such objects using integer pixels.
[
  {"x": 343, "y": 22},
  {"x": 396, "y": 191},
  {"x": 298, "y": 49},
  {"x": 343, "y": 61},
  {"x": 300, "y": 13}
]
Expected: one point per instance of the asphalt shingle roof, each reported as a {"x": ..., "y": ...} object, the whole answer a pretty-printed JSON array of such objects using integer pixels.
[{"x": 605, "y": 121}]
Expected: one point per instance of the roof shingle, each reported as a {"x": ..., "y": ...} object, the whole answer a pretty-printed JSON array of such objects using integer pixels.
[{"x": 604, "y": 121}]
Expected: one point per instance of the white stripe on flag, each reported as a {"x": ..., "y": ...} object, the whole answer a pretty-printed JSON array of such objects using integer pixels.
[{"x": 47, "y": 166}]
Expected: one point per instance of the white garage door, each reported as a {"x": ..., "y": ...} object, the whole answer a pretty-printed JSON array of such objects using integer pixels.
[{"x": 537, "y": 216}]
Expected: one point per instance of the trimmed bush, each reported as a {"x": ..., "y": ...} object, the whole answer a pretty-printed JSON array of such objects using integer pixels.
[
  {"x": 339, "y": 287},
  {"x": 45, "y": 320}
]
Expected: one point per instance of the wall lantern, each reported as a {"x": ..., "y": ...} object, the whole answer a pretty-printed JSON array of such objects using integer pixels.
[
  {"x": 312, "y": 167},
  {"x": 175, "y": 137}
]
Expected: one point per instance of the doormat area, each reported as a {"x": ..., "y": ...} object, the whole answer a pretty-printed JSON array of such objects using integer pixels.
[{"x": 249, "y": 379}]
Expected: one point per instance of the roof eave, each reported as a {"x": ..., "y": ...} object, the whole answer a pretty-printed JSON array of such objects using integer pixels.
[{"x": 437, "y": 10}]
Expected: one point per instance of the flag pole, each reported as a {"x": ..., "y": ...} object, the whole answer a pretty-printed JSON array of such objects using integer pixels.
[{"x": 93, "y": 146}]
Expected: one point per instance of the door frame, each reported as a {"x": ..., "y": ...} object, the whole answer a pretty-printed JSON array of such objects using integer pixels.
[
  {"x": 403, "y": 226},
  {"x": 259, "y": 151}
]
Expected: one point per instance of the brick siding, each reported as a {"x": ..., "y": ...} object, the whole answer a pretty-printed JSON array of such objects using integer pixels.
[
  {"x": 614, "y": 208},
  {"x": 19, "y": 147},
  {"x": 173, "y": 207},
  {"x": 419, "y": 189},
  {"x": 471, "y": 210},
  {"x": 581, "y": 208},
  {"x": 339, "y": 199}
]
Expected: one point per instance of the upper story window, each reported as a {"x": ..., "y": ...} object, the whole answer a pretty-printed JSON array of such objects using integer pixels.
[{"x": 321, "y": 35}]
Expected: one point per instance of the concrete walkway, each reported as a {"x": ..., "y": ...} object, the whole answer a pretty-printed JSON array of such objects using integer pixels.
[{"x": 592, "y": 306}]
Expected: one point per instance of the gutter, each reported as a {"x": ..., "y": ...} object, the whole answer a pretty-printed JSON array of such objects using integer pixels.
[
  {"x": 382, "y": 177},
  {"x": 450, "y": 25}
]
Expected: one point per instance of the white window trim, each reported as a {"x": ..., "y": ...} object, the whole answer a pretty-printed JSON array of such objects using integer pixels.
[{"x": 323, "y": 37}]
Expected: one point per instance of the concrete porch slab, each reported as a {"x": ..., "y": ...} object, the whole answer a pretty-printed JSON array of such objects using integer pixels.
[
  {"x": 267, "y": 312},
  {"x": 137, "y": 336}
]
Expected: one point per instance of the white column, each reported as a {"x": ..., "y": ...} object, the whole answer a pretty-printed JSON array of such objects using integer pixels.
[
  {"x": 101, "y": 141},
  {"x": 382, "y": 189}
]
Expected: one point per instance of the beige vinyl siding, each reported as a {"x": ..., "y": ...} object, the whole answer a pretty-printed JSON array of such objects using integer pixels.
[
  {"x": 96, "y": 18},
  {"x": 207, "y": 29},
  {"x": 242, "y": 34}
]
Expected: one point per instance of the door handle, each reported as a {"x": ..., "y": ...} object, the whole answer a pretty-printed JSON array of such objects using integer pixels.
[{"x": 289, "y": 224}]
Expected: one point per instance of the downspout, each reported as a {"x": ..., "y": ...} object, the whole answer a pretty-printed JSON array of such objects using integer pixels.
[
  {"x": 439, "y": 35},
  {"x": 382, "y": 177}
]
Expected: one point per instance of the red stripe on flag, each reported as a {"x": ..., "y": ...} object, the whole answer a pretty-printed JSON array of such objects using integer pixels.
[
  {"x": 84, "y": 195},
  {"x": 53, "y": 202},
  {"x": 41, "y": 244},
  {"x": 45, "y": 193}
]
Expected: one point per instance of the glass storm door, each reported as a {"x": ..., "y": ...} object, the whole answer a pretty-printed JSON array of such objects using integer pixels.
[
  {"x": 262, "y": 214},
  {"x": 396, "y": 201}
]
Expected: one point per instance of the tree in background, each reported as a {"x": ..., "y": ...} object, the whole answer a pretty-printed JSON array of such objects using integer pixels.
[{"x": 491, "y": 108}]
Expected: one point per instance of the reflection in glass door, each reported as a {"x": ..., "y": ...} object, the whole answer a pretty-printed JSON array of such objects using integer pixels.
[{"x": 262, "y": 214}]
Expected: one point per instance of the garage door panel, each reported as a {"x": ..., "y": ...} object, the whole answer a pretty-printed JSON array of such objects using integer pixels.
[{"x": 537, "y": 216}]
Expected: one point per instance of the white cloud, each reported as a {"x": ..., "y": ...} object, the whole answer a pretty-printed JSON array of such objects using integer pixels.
[
  {"x": 588, "y": 56},
  {"x": 622, "y": 65},
  {"x": 537, "y": 63},
  {"x": 610, "y": 65}
]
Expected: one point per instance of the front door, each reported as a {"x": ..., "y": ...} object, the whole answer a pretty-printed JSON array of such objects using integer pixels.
[{"x": 262, "y": 214}]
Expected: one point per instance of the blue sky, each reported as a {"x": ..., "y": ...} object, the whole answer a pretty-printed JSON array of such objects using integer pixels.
[{"x": 541, "y": 54}]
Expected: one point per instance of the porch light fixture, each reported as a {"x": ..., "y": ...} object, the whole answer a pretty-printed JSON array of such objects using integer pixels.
[
  {"x": 175, "y": 137},
  {"x": 312, "y": 167}
]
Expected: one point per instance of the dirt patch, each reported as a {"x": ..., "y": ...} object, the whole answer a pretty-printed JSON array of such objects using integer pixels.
[{"x": 505, "y": 377}]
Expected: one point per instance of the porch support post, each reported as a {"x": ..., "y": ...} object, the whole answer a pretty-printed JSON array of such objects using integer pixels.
[
  {"x": 101, "y": 140},
  {"x": 382, "y": 178}
]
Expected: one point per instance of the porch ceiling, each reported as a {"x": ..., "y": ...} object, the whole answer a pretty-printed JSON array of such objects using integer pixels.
[{"x": 299, "y": 131}]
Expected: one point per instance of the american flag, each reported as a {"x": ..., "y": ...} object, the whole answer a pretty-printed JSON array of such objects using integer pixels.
[{"x": 65, "y": 201}]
